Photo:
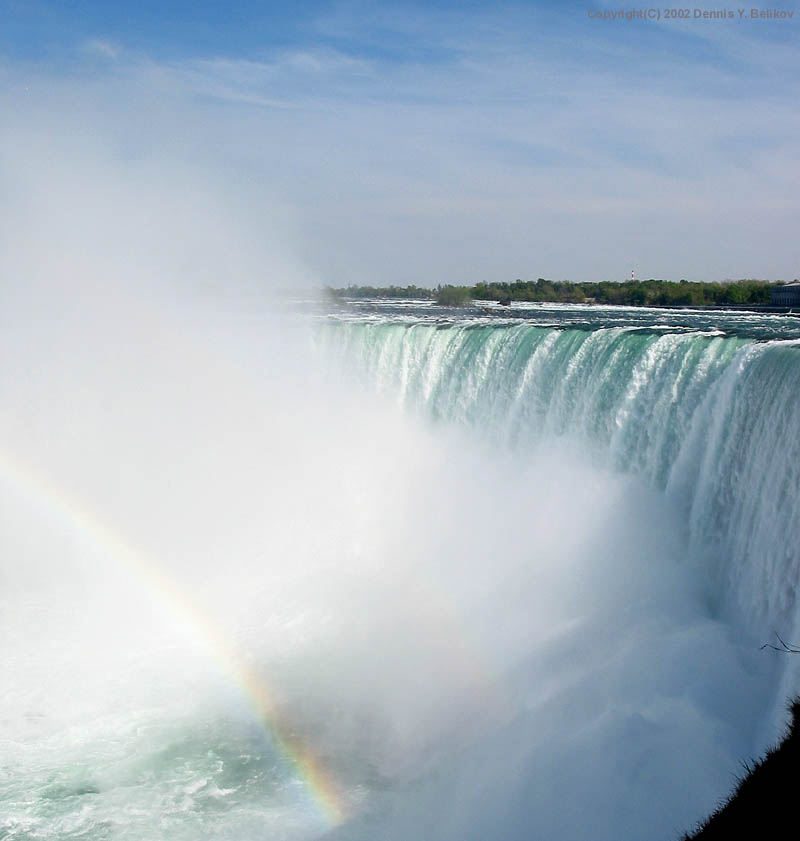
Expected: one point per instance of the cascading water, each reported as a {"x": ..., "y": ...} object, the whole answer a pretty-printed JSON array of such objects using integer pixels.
[
  {"x": 245, "y": 597},
  {"x": 711, "y": 420}
]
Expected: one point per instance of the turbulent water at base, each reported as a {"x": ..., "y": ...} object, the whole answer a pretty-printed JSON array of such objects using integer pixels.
[{"x": 391, "y": 572}]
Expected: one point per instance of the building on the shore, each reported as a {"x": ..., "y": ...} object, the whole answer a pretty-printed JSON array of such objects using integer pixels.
[{"x": 787, "y": 295}]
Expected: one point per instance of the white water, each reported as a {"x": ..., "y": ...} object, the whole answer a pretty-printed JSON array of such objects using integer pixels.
[
  {"x": 712, "y": 421},
  {"x": 509, "y": 583}
]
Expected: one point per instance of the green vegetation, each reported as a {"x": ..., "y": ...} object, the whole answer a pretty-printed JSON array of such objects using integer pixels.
[
  {"x": 416, "y": 292},
  {"x": 453, "y": 296},
  {"x": 633, "y": 292}
]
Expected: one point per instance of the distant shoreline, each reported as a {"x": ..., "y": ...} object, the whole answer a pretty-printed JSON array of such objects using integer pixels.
[{"x": 744, "y": 295}]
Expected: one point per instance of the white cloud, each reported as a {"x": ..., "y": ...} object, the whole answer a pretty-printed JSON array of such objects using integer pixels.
[
  {"x": 489, "y": 152},
  {"x": 102, "y": 49}
]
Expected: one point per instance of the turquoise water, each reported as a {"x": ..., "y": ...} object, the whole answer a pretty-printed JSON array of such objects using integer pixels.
[
  {"x": 706, "y": 411},
  {"x": 479, "y": 559}
]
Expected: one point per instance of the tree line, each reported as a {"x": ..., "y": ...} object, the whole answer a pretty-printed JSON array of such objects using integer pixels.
[{"x": 632, "y": 292}]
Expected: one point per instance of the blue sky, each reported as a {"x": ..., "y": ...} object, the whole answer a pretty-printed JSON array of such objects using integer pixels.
[{"x": 446, "y": 142}]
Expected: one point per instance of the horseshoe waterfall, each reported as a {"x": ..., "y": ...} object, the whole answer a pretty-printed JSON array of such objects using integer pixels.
[{"x": 388, "y": 570}]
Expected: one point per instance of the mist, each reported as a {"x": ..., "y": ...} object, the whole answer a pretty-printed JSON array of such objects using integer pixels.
[{"x": 474, "y": 641}]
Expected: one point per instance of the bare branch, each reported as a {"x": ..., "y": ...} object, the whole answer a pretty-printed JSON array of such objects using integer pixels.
[{"x": 783, "y": 647}]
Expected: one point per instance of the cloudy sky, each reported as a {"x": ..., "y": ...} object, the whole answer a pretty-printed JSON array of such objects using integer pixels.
[{"x": 445, "y": 142}]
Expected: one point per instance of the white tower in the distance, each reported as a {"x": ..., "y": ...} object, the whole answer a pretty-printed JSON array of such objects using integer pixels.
[{"x": 632, "y": 277}]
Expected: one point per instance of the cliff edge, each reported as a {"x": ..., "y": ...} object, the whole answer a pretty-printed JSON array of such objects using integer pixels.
[{"x": 764, "y": 802}]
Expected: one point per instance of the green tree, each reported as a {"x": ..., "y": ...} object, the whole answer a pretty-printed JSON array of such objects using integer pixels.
[{"x": 453, "y": 296}]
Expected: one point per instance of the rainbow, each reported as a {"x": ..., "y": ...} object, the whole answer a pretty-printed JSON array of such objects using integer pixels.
[{"x": 43, "y": 492}]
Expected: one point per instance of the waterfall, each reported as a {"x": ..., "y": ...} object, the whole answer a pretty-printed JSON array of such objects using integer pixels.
[{"x": 710, "y": 420}]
